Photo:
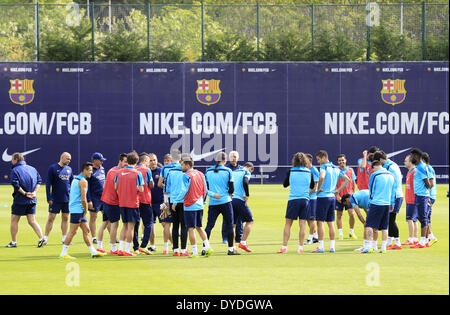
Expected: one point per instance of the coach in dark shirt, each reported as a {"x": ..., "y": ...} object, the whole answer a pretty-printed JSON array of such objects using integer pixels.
[
  {"x": 59, "y": 177},
  {"x": 26, "y": 182}
]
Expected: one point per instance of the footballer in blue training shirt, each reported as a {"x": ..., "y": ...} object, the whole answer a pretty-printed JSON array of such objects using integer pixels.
[
  {"x": 422, "y": 186},
  {"x": 394, "y": 169},
  {"x": 59, "y": 177},
  {"x": 219, "y": 179},
  {"x": 96, "y": 183},
  {"x": 233, "y": 165},
  {"x": 300, "y": 180},
  {"x": 326, "y": 198},
  {"x": 312, "y": 206},
  {"x": 426, "y": 159},
  {"x": 382, "y": 201},
  {"x": 360, "y": 200},
  {"x": 241, "y": 211}
]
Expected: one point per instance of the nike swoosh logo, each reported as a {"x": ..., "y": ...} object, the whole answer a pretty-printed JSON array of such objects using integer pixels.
[
  {"x": 8, "y": 158},
  {"x": 196, "y": 157},
  {"x": 389, "y": 155}
]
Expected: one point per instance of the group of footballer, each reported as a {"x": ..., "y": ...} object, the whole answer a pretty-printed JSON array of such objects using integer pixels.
[
  {"x": 139, "y": 189},
  {"x": 315, "y": 195}
]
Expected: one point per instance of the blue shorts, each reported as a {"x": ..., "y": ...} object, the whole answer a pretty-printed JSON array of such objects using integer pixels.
[
  {"x": 311, "y": 212},
  {"x": 430, "y": 209},
  {"x": 378, "y": 217},
  {"x": 325, "y": 209},
  {"x": 58, "y": 207},
  {"x": 111, "y": 213},
  {"x": 193, "y": 219},
  {"x": 397, "y": 205},
  {"x": 341, "y": 206},
  {"x": 77, "y": 218},
  {"x": 98, "y": 205},
  {"x": 241, "y": 212},
  {"x": 411, "y": 212},
  {"x": 297, "y": 208},
  {"x": 422, "y": 210},
  {"x": 129, "y": 215},
  {"x": 21, "y": 210}
]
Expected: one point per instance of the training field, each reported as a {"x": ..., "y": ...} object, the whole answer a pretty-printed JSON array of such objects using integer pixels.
[{"x": 31, "y": 270}]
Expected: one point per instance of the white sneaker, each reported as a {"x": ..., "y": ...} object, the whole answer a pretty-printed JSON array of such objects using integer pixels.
[
  {"x": 309, "y": 242},
  {"x": 359, "y": 249}
]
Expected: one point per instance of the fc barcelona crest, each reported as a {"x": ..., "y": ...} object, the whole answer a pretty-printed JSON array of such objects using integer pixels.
[
  {"x": 208, "y": 91},
  {"x": 21, "y": 91},
  {"x": 393, "y": 91}
]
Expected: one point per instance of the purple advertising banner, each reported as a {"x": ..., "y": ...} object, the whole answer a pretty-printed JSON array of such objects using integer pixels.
[{"x": 265, "y": 111}]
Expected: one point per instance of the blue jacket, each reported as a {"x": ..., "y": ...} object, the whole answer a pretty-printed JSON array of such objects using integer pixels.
[{"x": 27, "y": 177}]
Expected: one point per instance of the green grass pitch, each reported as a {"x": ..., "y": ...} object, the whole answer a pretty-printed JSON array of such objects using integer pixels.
[{"x": 31, "y": 270}]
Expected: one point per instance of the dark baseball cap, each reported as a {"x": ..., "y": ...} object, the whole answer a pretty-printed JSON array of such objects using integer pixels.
[{"x": 98, "y": 156}]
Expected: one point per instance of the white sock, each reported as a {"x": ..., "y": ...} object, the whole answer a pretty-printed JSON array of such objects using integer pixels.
[
  {"x": 121, "y": 244},
  {"x": 310, "y": 237},
  {"x": 244, "y": 242},
  {"x": 113, "y": 247},
  {"x": 416, "y": 239},
  {"x": 374, "y": 245},
  {"x": 128, "y": 248},
  {"x": 383, "y": 245},
  {"x": 46, "y": 238},
  {"x": 183, "y": 250},
  {"x": 366, "y": 245},
  {"x": 166, "y": 246},
  {"x": 64, "y": 250},
  {"x": 153, "y": 247},
  {"x": 176, "y": 250},
  {"x": 231, "y": 249},
  {"x": 389, "y": 240},
  {"x": 320, "y": 244},
  {"x": 397, "y": 241},
  {"x": 100, "y": 245},
  {"x": 351, "y": 231},
  {"x": 316, "y": 235},
  {"x": 63, "y": 238},
  {"x": 92, "y": 250},
  {"x": 300, "y": 248},
  {"x": 340, "y": 232},
  {"x": 431, "y": 236},
  {"x": 423, "y": 240},
  {"x": 332, "y": 244},
  {"x": 194, "y": 250},
  {"x": 206, "y": 244},
  {"x": 284, "y": 247}
]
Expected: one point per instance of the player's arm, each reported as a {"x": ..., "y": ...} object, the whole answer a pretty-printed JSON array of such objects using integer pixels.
[
  {"x": 230, "y": 184},
  {"x": 358, "y": 213},
  {"x": 210, "y": 192},
  {"x": 150, "y": 182},
  {"x": 286, "y": 182},
  {"x": 345, "y": 181},
  {"x": 140, "y": 182},
  {"x": 322, "y": 175},
  {"x": 48, "y": 185},
  {"x": 33, "y": 194},
  {"x": 83, "y": 184},
  {"x": 364, "y": 160}
]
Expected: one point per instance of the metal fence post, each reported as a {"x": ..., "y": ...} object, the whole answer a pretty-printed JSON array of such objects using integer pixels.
[
  {"x": 368, "y": 32},
  {"x": 148, "y": 30},
  {"x": 203, "y": 31},
  {"x": 93, "y": 31},
  {"x": 37, "y": 46},
  {"x": 424, "y": 51},
  {"x": 312, "y": 26},
  {"x": 257, "y": 30}
]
